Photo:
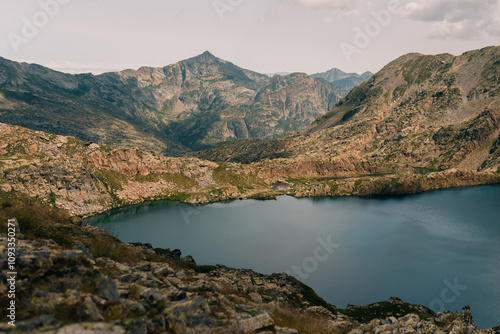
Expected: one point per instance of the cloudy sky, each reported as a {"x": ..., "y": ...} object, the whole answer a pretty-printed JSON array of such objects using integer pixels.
[{"x": 262, "y": 35}]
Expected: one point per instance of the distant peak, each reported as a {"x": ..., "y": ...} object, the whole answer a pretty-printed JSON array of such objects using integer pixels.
[
  {"x": 204, "y": 57},
  {"x": 336, "y": 70},
  {"x": 207, "y": 54}
]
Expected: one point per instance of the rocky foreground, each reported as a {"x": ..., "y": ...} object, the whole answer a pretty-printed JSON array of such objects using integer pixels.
[{"x": 70, "y": 290}]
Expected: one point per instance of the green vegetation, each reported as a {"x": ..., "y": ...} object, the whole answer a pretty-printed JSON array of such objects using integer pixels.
[
  {"x": 357, "y": 183},
  {"x": 421, "y": 69},
  {"x": 169, "y": 105},
  {"x": 115, "y": 312},
  {"x": 491, "y": 76},
  {"x": 67, "y": 313},
  {"x": 37, "y": 220},
  {"x": 111, "y": 179},
  {"x": 365, "y": 314},
  {"x": 399, "y": 91},
  {"x": 309, "y": 294},
  {"x": 204, "y": 269},
  {"x": 179, "y": 196},
  {"x": 152, "y": 87},
  {"x": 178, "y": 178},
  {"x": 52, "y": 198},
  {"x": 134, "y": 292},
  {"x": 224, "y": 175}
]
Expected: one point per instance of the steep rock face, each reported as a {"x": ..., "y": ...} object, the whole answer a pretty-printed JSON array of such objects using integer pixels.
[
  {"x": 189, "y": 105},
  {"x": 419, "y": 112}
]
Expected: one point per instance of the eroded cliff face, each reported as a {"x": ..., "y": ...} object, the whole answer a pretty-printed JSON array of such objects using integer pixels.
[{"x": 85, "y": 178}]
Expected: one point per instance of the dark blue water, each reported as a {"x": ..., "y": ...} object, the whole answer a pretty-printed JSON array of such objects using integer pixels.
[{"x": 440, "y": 249}]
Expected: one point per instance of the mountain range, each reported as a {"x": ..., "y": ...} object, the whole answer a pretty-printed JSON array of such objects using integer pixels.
[
  {"x": 421, "y": 123},
  {"x": 190, "y": 105},
  {"x": 419, "y": 112},
  {"x": 343, "y": 80}
]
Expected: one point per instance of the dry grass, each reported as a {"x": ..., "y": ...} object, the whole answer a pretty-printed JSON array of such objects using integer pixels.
[
  {"x": 304, "y": 322},
  {"x": 37, "y": 220}
]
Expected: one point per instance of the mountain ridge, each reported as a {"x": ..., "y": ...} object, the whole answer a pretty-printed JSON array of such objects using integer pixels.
[
  {"x": 189, "y": 105},
  {"x": 345, "y": 81},
  {"x": 434, "y": 112}
]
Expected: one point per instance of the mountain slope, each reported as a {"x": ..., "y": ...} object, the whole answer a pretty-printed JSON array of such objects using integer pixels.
[
  {"x": 189, "y": 105},
  {"x": 344, "y": 81},
  {"x": 419, "y": 113}
]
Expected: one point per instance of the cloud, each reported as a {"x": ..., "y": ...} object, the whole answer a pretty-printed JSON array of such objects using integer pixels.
[{"x": 457, "y": 19}]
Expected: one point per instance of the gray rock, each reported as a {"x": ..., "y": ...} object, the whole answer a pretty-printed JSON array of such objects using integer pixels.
[
  {"x": 154, "y": 297},
  {"x": 255, "y": 297},
  {"x": 284, "y": 330},
  {"x": 88, "y": 311},
  {"x": 189, "y": 259},
  {"x": 91, "y": 328},
  {"x": 135, "y": 308},
  {"x": 257, "y": 323},
  {"x": 108, "y": 289},
  {"x": 164, "y": 271},
  {"x": 194, "y": 312}
]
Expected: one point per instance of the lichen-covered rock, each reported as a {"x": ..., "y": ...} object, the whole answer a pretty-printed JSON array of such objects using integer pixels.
[{"x": 257, "y": 323}]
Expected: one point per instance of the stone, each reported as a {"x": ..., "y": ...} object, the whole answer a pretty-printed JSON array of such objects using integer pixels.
[
  {"x": 108, "y": 289},
  {"x": 144, "y": 267},
  {"x": 135, "y": 308},
  {"x": 91, "y": 328},
  {"x": 154, "y": 297},
  {"x": 257, "y": 323},
  {"x": 255, "y": 297},
  {"x": 194, "y": 312},
  {"x": 164, "y": 271},
  {"x": 189, "y": 259},
  {"x": 88, "y": 311},
  {"x": 284, "y": 330},
  {"x": 5, "y": 187},
  {"x": 84, "y": 249}
]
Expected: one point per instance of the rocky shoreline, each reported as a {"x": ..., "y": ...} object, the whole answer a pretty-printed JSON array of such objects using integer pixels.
[{"x": 87, "y": 179}]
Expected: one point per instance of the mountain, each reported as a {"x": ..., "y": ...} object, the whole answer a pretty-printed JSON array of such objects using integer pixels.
[
  {"x": 345, "y": 81},
  {"x": 421, "y": 123},
  {"x": 419, "y": 114},
  {"x": 278, "y": 73},
  {"x": 190, "y": 105}
]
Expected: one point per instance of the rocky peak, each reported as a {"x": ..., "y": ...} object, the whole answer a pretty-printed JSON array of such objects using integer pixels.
[{"x": 204, "y": 58}]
